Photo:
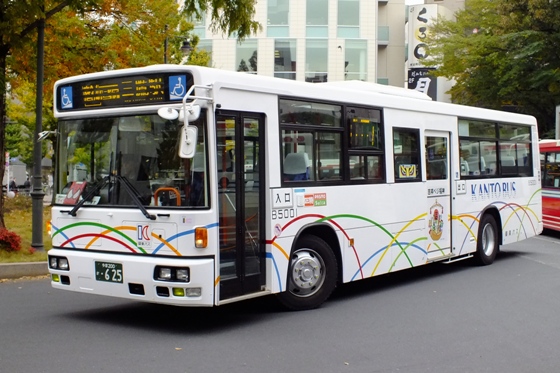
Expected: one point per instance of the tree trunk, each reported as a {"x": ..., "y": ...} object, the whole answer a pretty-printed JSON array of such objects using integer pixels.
[{"x": 3, "y": 160}]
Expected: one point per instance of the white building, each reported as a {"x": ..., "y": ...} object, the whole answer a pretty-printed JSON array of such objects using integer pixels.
[
  {"x": 317, "y": 41},
  {"x": 452, "y": 5}
]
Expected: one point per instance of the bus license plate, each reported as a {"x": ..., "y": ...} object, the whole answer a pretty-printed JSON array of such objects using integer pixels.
[{"x": 109, "y": 272}]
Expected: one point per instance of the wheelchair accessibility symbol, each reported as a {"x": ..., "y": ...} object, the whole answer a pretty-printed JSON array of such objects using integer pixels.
[
  {"x": 66, "y": 98},
  {"x": 177, "y": 87}
]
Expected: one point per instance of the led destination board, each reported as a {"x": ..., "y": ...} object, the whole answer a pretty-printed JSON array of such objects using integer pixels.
[{"x": 131, "y": 90}]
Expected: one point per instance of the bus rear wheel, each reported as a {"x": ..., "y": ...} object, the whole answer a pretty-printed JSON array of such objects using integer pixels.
[
  {"x": 312, "y": 274},
  {"x": 487, "y": 244}
]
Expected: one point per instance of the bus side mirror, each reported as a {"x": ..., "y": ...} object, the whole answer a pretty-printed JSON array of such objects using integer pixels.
[
  {"x": 43, "y": 135},
  {"x": 187, "y": 145}
]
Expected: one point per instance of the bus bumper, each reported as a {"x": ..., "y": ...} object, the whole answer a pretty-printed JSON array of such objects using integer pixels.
[{"x": 132, "y": 277}]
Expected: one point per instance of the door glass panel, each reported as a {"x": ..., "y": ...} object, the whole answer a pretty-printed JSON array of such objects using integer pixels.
[
  {"x": 227, "y": 196},
  {"x": 238, "y": 156},
  {"x": 251, "y": 181},
  {"x": 436, "y": 158}
]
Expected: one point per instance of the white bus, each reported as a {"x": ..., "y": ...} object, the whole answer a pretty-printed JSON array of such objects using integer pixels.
[{"x": 327, "y": 184}]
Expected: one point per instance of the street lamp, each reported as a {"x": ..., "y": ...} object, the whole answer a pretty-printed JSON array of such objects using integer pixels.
[
  {"x": 186, "y": 48},
  {"x": 37, "y": 194}
]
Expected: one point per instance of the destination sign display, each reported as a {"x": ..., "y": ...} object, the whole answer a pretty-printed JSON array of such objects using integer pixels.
[{"x": 130, "y": 90}]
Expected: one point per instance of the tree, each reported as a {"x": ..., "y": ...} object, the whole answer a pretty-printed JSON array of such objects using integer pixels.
[
  {"x": 229, "y": 16},
  {"x": 502, "y": 54},
  {"x": 92, "y": 35}
]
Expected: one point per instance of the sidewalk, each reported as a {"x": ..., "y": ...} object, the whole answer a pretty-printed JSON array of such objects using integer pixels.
[
  {"x": 29, "y": 269},
  {"x": 17, "y": 270}
]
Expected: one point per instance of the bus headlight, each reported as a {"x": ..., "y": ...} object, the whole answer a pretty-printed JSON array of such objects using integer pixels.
[
  {"x": 59, "y": 262},
  {"x": 172, "y": 274},
  {"x": 63, "y": 264},
  {"x": 183, "y": 275},
  {"x": 164, "y": 274}
]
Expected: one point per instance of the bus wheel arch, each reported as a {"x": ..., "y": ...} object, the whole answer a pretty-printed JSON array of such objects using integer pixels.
[
  {"x": 488, "y": 237},
  {"x": 327, "y": 234},
  {"x": 313, "y": 272}
]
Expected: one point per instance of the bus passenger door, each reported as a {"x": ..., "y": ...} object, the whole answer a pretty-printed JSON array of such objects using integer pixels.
[
  {"x": 438, "y": 192},
  {"x": 241, "y": 204}
]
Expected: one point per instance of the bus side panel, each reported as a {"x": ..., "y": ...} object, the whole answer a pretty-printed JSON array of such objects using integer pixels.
[
  {"x": 551, "y": 209},
  {"x": 376, "y": 235},
  {"x": 517, "y": 200}
]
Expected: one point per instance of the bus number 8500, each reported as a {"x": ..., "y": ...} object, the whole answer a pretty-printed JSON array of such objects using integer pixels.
[{"x": 283, "y": 214}]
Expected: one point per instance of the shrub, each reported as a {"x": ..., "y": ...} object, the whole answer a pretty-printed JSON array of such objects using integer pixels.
[
  {"x": 18, "y": 203},
  {"x": 9, "y": 241}
]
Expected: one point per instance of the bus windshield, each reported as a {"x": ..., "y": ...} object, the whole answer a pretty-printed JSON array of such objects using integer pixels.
[{"x": 129, "y": 160}]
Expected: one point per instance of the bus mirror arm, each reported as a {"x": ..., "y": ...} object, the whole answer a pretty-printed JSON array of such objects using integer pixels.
[{"x": 190, "y": 113}]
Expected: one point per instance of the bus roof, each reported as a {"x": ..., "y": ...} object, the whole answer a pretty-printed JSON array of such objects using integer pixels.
[
  {"x": 549, "y": 144},
  {"x": 359, "y": 85},
  {"x": 345, "y": 92}
]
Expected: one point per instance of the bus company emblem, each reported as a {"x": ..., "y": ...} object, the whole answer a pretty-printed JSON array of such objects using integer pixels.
[
  {"x": 407, "y": 171},
  {"x": 436, "y": 221},
  {"x": 143, "y": 235}
]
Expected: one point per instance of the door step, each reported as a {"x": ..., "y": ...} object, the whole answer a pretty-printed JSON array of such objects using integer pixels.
[{"x": 458, "y": 258}]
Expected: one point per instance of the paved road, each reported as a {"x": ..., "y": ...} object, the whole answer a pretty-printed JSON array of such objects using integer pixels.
[{"x": 439, "y": 318}]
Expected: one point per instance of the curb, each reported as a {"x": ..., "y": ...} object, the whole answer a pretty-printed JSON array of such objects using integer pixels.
[{"x": 17, "y": 270}]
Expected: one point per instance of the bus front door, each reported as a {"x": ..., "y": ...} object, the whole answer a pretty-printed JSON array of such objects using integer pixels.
[
  {"x": 438, "y": 192},
  {"x": 240, "y": 202}
]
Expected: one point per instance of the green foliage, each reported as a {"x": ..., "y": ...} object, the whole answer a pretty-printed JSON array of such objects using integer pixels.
[
  {"x": 22, "y": 127},
  {"x": 233, "y": 17},
  {"x": 19, "y": 220},
  {"x": 84, "y": 36},
  {"x": 502, "y": 54},
  {"x": 17, "y": 204}
]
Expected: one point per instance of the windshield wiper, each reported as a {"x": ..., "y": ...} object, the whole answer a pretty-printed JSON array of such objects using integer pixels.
[
  {"x": 133, "y": 193},
  {"x": 88, "y": 196},
  {"x": 130, "y": 189}
]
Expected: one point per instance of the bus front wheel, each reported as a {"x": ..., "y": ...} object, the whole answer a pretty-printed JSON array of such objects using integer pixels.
[
  {"x": 312, "y": 274},
  {"x": 487, "y": 245}
]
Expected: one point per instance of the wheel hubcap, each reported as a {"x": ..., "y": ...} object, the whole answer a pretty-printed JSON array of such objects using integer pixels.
[
  {"x": 488, "y": 239},
  {"x": 307, "y": 273}
]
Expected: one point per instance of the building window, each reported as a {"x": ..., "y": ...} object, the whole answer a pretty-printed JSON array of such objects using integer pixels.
[
  {"x": 206, "y": 45},
  {"x": 317, "y": 19},
  {"x": 285, "y": 59},
  {"x": 247, "y": 57},
  {"x": 355, "y": 62},
  {"x": 348, "y": 12},
  {"x": 278, "y": 12},
  {"x": 317, "y": 12},
  {"x": 316, "y": 61}
]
